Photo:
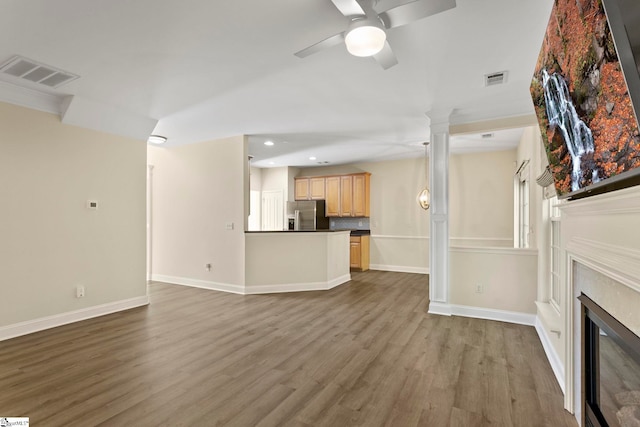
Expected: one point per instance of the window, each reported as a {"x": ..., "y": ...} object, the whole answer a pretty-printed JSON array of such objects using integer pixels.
[
  {"x": 556, "y": 259},
  {"x": 522, "y": 225},
  {"x": 523, "y": 213}
]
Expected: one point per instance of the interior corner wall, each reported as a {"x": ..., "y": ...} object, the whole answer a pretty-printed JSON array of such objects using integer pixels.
[
  {"x": 481, "y": 199},
  {"x": 50, "y": 241},
  {"x": 198, "y": 191},
  {"x": 292, "y": 172}
]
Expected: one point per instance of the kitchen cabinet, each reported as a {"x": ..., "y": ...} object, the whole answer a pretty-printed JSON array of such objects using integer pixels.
[
  {"x": 332, "y": 189},
  {"x": 302, "y": 189},
  {"x": 310, "y": 188},
  {"x": 354, "y": 195},
  {"x": 360, "y": 196},
  {"x": 316, "y": 188},
  {"x": 345, "y": 195},
  {"x": 359, "y": 252}
]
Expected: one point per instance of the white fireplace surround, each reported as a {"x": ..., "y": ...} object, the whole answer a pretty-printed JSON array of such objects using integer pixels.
[{"x": 603, "y": 234}]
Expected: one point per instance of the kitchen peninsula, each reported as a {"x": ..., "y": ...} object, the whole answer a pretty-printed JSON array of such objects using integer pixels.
[{"x": 290, "y": 261}]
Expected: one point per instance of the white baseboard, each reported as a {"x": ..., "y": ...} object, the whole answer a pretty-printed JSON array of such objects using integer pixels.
[
  {"x": 494, "y": 314},
  {"x": 482, "y": 313},
  {"x": 252, "y": 290},
  {"x": 399, "y": 268},
  {"x": 552, "y": 355},
  {"x": 297, "y": 287},
  {"x": 31, "y": 326},
  {"x": 439, "y": 308},
  {"x": 196, "y": 283}
]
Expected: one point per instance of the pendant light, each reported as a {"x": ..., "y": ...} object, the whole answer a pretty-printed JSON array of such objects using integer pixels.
[{"x": 424, "y": 197}]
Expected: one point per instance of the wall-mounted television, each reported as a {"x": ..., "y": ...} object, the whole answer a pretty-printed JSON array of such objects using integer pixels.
[{"x": 584, "y": 89}]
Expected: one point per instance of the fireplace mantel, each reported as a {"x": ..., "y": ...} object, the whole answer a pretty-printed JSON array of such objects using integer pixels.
[
  {"x": 617, "y": 202},
  {"x": 603, "y": 234},
  {"x": 618, "y": 262}
]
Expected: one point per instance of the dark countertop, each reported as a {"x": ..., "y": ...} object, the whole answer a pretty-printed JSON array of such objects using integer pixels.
[
  {"x": 295, "y": 231},
  {"x": 353, "y": 232}
]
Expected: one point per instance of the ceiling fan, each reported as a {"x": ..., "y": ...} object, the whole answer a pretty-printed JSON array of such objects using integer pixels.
[{"x": 366, "y": 34}]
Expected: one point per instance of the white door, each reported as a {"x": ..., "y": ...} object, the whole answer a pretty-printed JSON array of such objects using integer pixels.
[{"x": 272, "y": 210}]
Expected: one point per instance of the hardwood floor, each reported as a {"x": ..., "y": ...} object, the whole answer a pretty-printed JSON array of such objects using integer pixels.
[{"x": 365, "y": 353}]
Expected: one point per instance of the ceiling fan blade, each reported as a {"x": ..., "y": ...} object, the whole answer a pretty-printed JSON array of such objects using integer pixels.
[
  {"x": 324, "y": 44},
  {"x": 386, "y": 58},
  {"x": 349, "y": 7},
  {"x": 407, "y": 13}
]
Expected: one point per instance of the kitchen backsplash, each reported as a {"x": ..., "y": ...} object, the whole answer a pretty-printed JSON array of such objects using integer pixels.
[{"x": 349, "y": 223}]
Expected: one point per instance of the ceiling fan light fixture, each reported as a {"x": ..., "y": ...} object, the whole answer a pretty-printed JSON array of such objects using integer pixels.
[{"x": 365, "y": 37}]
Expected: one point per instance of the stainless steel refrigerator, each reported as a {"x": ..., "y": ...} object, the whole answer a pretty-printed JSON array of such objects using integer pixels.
[{"x": 307, "y": 215}]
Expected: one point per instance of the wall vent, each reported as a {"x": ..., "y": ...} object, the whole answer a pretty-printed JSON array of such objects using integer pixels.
[
  {"x": 27, "y": 69},
  {"x": 493, "y": 79}
]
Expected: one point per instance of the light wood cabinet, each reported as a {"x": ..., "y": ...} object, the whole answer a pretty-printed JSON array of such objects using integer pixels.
[
  {"x": 361, "y": 190},
  {"x": 345, "y": 195},
  {"x": 332, "y": 189},
  {"x": 316, "y": 188},
  {"x": 310, "y": 188},
  {"x": 302, "y": 189},
  {"x": 359, "y": 252}
]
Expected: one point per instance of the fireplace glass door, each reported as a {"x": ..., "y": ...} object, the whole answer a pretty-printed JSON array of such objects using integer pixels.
[{"x": 611, "y": 369}]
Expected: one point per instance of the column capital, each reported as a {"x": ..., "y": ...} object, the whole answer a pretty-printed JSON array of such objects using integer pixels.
[{"x": 439, "y": 120}]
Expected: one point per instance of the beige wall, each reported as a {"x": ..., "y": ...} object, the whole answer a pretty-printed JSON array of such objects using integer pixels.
[
  {"x": 507, "y": 277},
  {"x": 198, "y": 190},
  {"x": 285, "y": 262},
  {"x": 481, "y": 198},
  {"x": 255, "y": 180},
  {"x": 481, "y": 189},
  {"x": 50, "y": 242},
  {"x": 276, "y": 179}
]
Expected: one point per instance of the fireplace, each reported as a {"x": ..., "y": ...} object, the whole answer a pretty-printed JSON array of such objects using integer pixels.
[{"x": 610, "y": 369}]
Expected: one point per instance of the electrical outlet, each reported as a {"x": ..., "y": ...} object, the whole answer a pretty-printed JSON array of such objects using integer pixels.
[
  {"x": 79, "y": 291},
  {"x": 359, "y": 223},
  {"x": 207, "y": 267},
  {"x": 229, "y": 226},
  {"x": 479, "y": 288}
]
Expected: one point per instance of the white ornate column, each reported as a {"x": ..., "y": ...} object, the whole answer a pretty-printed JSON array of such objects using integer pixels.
[{"x": 439, "y": 214}]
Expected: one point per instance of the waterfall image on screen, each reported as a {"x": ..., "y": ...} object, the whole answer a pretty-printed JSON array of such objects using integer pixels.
[{"x": 581, "y": 99}]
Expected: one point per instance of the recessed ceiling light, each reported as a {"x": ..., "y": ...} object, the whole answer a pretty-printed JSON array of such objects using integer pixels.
[
  {"x": 269, "y": 143},
  {"x": 157, "y": 139},
  {"x": 312, "y": 158},
  {"x": 272, "y": 163}
]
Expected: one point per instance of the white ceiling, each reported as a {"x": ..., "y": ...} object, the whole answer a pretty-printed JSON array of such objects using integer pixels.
[{"x": 210, "y": 69}]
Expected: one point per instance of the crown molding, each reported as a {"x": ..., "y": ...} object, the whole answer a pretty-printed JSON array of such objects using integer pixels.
[{"x": 30, "y": 98}]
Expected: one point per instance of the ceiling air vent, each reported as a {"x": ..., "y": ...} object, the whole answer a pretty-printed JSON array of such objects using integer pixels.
[
  {"x": 493, "y": 79},
  {"x": 487, "y": 135},
  {"x": 27, "y": 69}
]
